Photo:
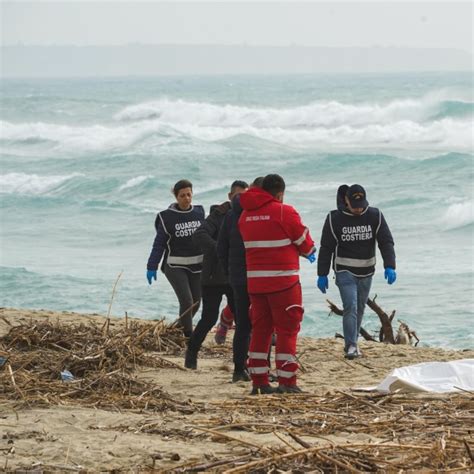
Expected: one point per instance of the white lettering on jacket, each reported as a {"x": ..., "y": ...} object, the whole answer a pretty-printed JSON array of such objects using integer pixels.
[
  {"x": 257, "y": 218},
  {"x": 359, "y": 232},
  {"x": 186, "y": 229}
]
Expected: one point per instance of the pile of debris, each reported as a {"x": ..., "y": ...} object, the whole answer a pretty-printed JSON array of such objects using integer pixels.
[
  {"x": 341, "y": 431},
  {"x": 44, "y": 363}
]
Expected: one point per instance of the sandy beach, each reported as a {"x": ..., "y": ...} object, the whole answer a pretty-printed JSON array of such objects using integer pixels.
[{"x": 216, "y": 420}]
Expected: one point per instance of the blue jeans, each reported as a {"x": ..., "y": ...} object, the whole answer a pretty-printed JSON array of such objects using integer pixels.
[{"x": 354, "y": 293}]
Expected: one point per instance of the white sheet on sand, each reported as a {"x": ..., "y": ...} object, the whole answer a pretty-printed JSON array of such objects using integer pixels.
[{"x": 437, "y": 377}]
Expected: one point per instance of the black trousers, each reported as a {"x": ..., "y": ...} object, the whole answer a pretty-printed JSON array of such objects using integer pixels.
[
  {"x": 211, "y": 301},
  {"x": 187, "y": 287},
  {"x": 243, "y": 327}
]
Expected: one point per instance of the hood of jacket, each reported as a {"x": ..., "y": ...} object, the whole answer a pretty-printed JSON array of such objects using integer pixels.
[
  {"x": 255, "y": 198},
  {"x": 341, "y": 197},
  {"x": 220, "y": 208}
]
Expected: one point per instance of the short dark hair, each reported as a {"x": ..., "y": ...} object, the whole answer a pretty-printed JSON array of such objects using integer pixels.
[
  {"x": 238, "y": 184},
  {"x": 181, "y": 184},
  {"x": 273, "y": 184},
  {"x": 257, "y": 182}
]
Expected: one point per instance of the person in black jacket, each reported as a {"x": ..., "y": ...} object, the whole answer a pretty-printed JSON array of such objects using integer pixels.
[
  {"x": 231, "y": 252},
  {"x": 213, "y": 278},
  {"x": 348, "y": 239}
]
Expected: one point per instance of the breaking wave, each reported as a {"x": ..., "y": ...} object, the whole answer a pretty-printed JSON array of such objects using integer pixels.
[
  {"x": 442, "y": 135},
  {"x": 33, "y": 184},
  {"x": 328, "y": 114},
  {"x": 459, "y": 215}
]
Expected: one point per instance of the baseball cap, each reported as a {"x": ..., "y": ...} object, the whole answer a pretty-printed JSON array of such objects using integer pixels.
[{"x": 357, "y": 197}]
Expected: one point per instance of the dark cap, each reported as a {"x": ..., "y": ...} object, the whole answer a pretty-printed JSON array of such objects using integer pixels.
[{"x": 357, "y": 197}]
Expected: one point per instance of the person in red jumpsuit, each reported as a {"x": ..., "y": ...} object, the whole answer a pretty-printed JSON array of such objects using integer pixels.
[{"x": 274, "y": 239}]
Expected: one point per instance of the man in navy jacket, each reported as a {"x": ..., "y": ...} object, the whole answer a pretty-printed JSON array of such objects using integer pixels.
[
  {"x": 348, "y": 239},
  {"x": 231, "y": 252}
]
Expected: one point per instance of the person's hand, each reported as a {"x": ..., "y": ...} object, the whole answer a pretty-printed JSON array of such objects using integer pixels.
[
  {"x": 150, "y": 275},
  {"x": 390, "y": 275},
  {"x": 322, "y": 283},
  {"x": 311, "y": 258}
]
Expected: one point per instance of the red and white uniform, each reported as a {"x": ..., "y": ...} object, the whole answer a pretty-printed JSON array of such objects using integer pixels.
[{"x": 274, "y": 239}]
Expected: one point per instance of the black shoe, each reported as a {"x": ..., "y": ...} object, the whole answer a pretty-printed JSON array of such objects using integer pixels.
[
  {"x": 190, "y": 359},
  {"x": 272, "y": 377},
  {"x": 289, "y": 389},
  {"x": 240, "y": 376},
  {"x": 262, "y": 390}
]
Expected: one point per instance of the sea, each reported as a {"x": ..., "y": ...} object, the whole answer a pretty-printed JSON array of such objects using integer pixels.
[{"x": 87, "y": 163}]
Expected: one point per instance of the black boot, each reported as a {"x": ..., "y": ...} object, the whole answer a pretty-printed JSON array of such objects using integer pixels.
[
  {"x": 190, "y": 359},
  {"x": 262, "y": 390},
  {"x": 240, "y": 376},
  {"x": 289, "y": 389}
]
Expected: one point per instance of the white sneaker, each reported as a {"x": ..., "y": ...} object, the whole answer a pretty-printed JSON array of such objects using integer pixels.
[{"x": 352, "y": 352}]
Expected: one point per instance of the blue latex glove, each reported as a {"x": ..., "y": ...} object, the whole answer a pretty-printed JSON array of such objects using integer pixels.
[
  {"x": 150, "y": 274},
  {"x": 311, "y": 258},
  {"x": 390, "y": 275},
  {"x": 322, "y": 283}
]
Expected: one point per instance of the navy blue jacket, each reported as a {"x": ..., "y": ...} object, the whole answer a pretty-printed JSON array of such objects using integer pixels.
[
  {"x": 230, "y": 246},
  {"x": 205, "y": 238},
  {"x": 162, "y": 240},
  {"x": 349, "y": 241}
]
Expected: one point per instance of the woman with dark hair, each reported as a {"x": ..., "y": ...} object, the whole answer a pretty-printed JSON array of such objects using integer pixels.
[{"x": 182, "y": 259}]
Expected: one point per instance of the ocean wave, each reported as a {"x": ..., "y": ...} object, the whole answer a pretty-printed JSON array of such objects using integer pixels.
[
  {"x": 460, "y": 214},
  {"x": 33, "y": 184},
  {"x": 310, "y": 186},
  {"x": 439, "y": 104},
  {"x": 441, "y": 135},
  {"x": 445, "y": 134},
  {"x": 76, "y": 138},
  {"x": 133, "y": 182}
]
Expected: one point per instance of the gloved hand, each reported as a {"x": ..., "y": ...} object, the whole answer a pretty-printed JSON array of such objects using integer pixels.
[
  {"x": 322, "y": 283},
  {"x": 390, "y": 275},
  {"x": 150, "y": 274},
  {"x": 311, "y": 258}
]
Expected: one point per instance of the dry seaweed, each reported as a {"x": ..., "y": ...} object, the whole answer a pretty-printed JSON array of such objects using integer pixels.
[{"x": 102, "y": 365}]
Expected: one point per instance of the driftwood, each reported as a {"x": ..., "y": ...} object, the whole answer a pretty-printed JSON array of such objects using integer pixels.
[
  {"x": 334, "y": 309},
  {"x": 386, "y": 331},
  {"x": 386, "y": 334}
]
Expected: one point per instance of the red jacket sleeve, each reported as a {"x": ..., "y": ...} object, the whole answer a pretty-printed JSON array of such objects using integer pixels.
[{"x": 297, "y": 231}]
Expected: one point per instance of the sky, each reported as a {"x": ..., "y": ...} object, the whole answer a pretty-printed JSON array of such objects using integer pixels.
[{"x": 424, "y": 24}]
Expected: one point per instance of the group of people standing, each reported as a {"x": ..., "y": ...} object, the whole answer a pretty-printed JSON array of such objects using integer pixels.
[{"x": 248, "y": 249}]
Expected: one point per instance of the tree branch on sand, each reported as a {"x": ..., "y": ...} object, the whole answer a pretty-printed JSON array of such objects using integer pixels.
[{"x": 386, "y": 334}]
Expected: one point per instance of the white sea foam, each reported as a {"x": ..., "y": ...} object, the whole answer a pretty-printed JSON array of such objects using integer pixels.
[
  {"x": 458, "y": 215},
  {"x": 316, "y": 114},
  {"x": 75, "y": 138},
  {"x": 310, "y": 186},
  {"x": 22, "y": 183},
  {"x": 446, "y": 134},
  {"x": 131, "y": 183},
  {"x": 400, "y": 124}
]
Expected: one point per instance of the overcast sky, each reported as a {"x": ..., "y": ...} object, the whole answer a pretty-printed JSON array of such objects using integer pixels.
[{"x": 421, "y": 24}]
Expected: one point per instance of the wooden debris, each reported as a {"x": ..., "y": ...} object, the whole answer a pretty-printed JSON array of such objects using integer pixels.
[
  {"x": 404, "y": 335},
  {"x": 102, "y": 363}
]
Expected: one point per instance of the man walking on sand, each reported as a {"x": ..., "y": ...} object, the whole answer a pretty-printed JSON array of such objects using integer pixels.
[
  {"x": 348, "y": 238},
  {"x": 274, "y": 238},
  {"x": 213, "y": 278}
]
